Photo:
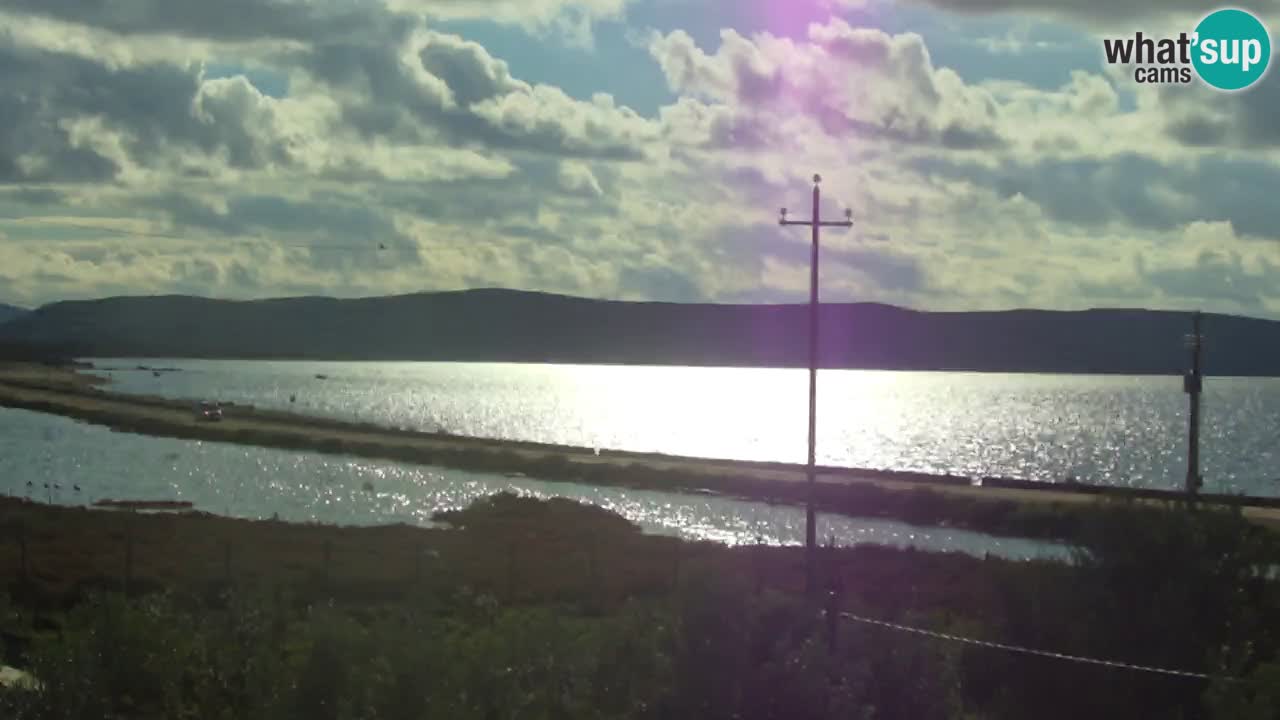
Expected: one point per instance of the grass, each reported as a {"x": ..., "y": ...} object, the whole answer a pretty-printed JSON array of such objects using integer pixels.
[
  {"x": 537, "y": 550},
  {"x": 517, "y": 607}
]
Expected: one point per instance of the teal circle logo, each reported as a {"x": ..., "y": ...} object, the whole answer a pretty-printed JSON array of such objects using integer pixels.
[{"x": 1232, "y": 49}]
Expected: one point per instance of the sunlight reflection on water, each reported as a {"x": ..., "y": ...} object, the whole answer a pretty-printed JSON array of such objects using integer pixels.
[
  {"x": 1107, "y": 429},
  {"x": 309, "y": 487}
]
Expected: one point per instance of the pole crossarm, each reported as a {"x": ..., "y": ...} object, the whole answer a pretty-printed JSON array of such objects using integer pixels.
[{"x": 821, "y": 223}]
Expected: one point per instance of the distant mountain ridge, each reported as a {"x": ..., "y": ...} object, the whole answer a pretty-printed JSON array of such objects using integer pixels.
[
  {"x": 516, "y": 326},
  {"x": 10, "y": 312}
]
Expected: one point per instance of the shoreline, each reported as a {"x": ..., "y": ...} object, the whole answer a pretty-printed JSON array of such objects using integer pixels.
[
  {"x": 1172, "y": 374},
  {"x": 998, "y": 506}
]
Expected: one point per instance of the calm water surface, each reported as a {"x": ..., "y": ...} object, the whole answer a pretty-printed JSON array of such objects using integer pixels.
[
  {"x": 258, "y": 482},
  {"x": 1104, "y": 429}
]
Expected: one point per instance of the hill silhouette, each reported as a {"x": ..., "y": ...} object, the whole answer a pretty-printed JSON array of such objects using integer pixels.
[
  {"x": 515, "y": 326},
  {"x": 9, "y": 312}
]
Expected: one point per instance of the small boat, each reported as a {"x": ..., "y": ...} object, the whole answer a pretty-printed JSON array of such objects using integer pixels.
[{"x": 322, "y": 377}]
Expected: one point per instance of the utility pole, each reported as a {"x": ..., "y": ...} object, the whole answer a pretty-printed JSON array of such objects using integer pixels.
[
  {"x": 810, "y": 521},
  {"x": 1192, "y": 384}
]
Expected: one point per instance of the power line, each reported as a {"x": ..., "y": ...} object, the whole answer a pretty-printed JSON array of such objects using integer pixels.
[{"x": 1026, "y": 650}]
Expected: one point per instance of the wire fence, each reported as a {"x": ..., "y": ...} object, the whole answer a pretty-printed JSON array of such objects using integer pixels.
[{"x": 1026, "y": 650}]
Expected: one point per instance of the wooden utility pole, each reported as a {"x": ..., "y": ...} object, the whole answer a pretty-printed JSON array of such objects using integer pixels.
[
  {"x": 1192, "y": 384},
  {"x": 815, "y": 222}
]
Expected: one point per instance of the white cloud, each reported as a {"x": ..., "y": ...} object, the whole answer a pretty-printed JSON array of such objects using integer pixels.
[
  {"x": 576, "y": 177},
  {"x": 569, "y": 21},
  {"x": 850, "y": 81},
  {"x": 966, "y": 193}
]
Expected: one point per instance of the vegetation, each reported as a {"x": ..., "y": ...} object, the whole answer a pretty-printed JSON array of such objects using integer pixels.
[{"x": 533, "y": 609}]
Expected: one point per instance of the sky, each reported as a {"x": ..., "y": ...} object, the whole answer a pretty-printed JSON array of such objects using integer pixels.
[{"x": 629, "y": 149}]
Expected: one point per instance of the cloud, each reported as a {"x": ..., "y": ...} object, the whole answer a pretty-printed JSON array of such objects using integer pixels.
[
  {"x": 1134, "y": 189},
  {"x": 577, "y": 178},
  {"x": 33, "y": 196},
  {"x": 1092, "y": 11},
  {"x": 569, "y": 21},
  {"x": 272, "y": 152},
  {"x": 309, "y": 20},
  {"x": 437, "y": 86},
  {"x": 1201, "y": 117},
  {"x": 659, "y": 280},
  {"x": 70, "y": 118},
  {"x": 225, "y": 20},
  {"x": 853, "y": 82},
  {"x": 1208, "y": 262}
]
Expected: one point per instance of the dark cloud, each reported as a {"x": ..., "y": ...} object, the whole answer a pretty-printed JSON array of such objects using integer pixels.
[
  {"x": 183, "y": 210},
  {"x": 513, "y": 200},
  {"x": 169, "y": 116},
  {"x": 35, "y": 196},
  {"x": 222, "y": 20},
  {"x": 1133, "y": 188},
  {"x": 1089, "y": 10},
  {"x": 743, "y": 249},
  {"x": 765, "y": 296},
  {"x": 1214, "y": 276},
  {"x": 889, "y": 270},
  {"x": 160, "y": 109},
  {"x": 34, "y": 146},
  {"x": 452, "y": 90},
  {"x": 467, "y": 68},
  {"x": 746, "y": 248},
  {"x": 335, "y": 216},
  {"x": 657, "y": 282},
  {"x": 464, "y": 201},
  {"x": 336, "y": 230},
  {"x": 529, "y": 231},
  {"x": 956, "y": 136},
  {"x": 1202, "y": 117}
]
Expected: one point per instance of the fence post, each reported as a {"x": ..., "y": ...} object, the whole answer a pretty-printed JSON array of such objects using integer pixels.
[
  {"x": 511, "y": 571},
  {"x": 757, "y": 560},
  {"x": 592, "y": 565},
  {"x": 328, "y": 560},
  {"x": 675, "y": 564},
  {"x": 226, "y": 561},
  {"x": 22, "y": 551},
  {"x": 833, "y": 618},
  {"x": 128, "y": 553}
]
